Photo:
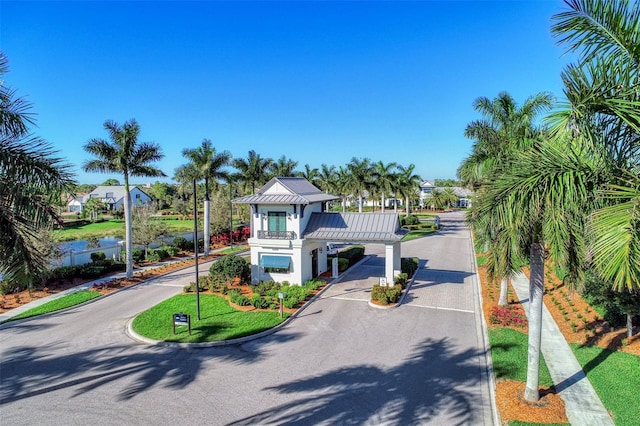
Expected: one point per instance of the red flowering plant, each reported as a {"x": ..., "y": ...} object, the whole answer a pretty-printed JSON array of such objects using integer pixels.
[{"x": 507, "y": 316}]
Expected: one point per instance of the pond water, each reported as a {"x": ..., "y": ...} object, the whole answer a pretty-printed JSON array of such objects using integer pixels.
[{"x": 81, "y": 245}]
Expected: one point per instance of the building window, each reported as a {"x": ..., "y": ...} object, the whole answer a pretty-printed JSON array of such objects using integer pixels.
[
  {"x": 277, "y": 222},
  {"x": 275, "y": 264},
  {"x": 137, "y": 196},
  {"x": 109, "y": 195}
]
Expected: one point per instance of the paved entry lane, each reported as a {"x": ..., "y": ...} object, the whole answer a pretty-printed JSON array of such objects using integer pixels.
[{"x": 339, "y": 362}]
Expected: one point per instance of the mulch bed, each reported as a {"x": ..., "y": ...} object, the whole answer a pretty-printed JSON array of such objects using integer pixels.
[
  {"x": 578, "y": 322},
  {"x": 15, "y": 300},
  {"x": 510, "y": 394}
]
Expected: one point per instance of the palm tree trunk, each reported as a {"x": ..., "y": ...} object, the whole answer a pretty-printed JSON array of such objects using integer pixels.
[
  {"x": 629, "y": 325},
  {"x": 359, "y": 203},
  {"x": 207, "y": 223},
  {"x": 407, "y": 207},
  {"x": 382, "y": 207},
  {"x": 504, "y": 290},
  {"x": 128, "y": 227},
  {"x": 536, "y": 284}
]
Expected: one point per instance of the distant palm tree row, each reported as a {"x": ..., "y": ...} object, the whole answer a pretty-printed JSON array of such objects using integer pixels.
[
  {"x": 568, "y": 189},
  {"x": 34, "y": 180}
]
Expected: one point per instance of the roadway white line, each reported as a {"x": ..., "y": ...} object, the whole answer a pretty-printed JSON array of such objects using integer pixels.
[
  {"x": 346, "y": 298},
  {"x": 441, "y": 308}
]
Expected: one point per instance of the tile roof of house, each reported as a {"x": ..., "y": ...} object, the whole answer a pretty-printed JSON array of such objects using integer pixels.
[
  {"x": 295, "y": 190},
  {"x": 361, "y": 227}
]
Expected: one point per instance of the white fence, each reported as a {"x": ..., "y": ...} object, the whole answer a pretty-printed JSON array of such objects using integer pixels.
[{"x": 73, "y": 258}]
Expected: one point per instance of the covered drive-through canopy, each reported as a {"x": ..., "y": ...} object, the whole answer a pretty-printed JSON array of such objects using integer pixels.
[{"x": 378, "y": 227}]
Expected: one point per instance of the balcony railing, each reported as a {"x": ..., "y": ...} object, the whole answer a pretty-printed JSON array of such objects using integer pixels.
[{"x": 277, "y": 235}]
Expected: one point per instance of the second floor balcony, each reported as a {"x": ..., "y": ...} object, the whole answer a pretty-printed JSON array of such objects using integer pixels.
[{"x": 277, "y": 235}]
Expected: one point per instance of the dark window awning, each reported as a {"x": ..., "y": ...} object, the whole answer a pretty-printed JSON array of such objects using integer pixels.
[{"x": 280, "y": 262}]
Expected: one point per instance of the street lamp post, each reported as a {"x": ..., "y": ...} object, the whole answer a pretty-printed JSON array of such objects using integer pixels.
[
  {"x": 230, "y": 217},
  {"x": 195, "y": 246}
]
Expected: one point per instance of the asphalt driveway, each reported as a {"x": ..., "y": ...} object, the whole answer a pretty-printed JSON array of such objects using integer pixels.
[{"x": 340, "y": 362}]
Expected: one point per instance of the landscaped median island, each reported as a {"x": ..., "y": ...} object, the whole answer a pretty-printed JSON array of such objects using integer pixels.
[
  {"x": 230, "y": 308},
  {"x": 385, "y": 295}
]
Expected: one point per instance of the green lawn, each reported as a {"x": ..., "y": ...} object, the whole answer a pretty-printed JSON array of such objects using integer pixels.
[
  {"x": 615, "y": 376},
  {"x": 115, "y": 228},
  {"x": 418, "y": 233},
  {"x": 219, "y": 321},
  {"x": 509, "y": 355},
  {"x": 58, "y": 304}
]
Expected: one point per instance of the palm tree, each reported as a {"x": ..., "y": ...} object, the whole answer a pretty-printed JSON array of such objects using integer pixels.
[
  {"x": 543, "y": 199},
  {"x": 540, "y": 205},
  {"x": 311, "y": 174},
  {"x": 283, "y": 167},
  {"x": 500, "y": 136},
  {"x": 408, "y": 183},
  {"x": 208, "y": 165},
  {"x": 33, "y": 181},
  {"x": 360, "y": 178},
  {"x": 124, "y": 154},
  {"x": 252, "y": 171},
  {"x": 383, "y": 178},
  {"x": 604, "y": 107},
  {"x": 344, "y": 186}
]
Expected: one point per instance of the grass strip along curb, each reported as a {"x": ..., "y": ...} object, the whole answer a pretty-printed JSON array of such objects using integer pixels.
[{"x": 58, "y": 304}]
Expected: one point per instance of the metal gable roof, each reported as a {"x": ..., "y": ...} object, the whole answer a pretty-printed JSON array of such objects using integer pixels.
[
  {"x": 298, "y": 191},
  {"x": 364, "y": 227}
]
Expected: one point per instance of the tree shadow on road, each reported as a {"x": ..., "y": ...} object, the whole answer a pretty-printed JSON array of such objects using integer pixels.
[
  {"x": 434, "y": 381},
  {"x": 32, "y": 371}
]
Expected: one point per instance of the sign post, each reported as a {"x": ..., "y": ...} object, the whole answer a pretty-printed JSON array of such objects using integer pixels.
[
  {"x": 281, "y": 297},
  {"x": 181, "y": 319}
]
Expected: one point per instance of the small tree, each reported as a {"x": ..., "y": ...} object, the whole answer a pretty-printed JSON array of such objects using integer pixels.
[
  {"x": 146, "y": 230},
  {"x": 221, "y": 214}
]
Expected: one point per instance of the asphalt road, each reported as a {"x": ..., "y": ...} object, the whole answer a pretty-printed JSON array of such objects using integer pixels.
[{"x": 340, "y": 361}]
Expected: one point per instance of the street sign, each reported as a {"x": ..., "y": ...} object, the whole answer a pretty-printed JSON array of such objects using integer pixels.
[{"x": 181, "y": 319}]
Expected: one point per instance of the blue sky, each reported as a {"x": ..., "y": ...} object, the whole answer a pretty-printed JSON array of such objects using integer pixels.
[{"x": 320, "y": 82}]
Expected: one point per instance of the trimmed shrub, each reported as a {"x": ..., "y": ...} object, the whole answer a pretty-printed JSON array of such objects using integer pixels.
[
  {"x": 313, "y": 284},
  {"x": 156, "y": 255},
  {"x": 238, "y": 298},
  {"x": 92, "y": 271},
  {"x": 353, "y": 254},
  {"x": 182, "y": 244},
  {"x": 98, "y": 256},
  {"x": 64, "y": 272},
  {"x": 401, "y": 280},
  {"x": 386, "y": 295},
  {"x": 409, "y": 265},
  {"x": 343, "y": 264},
  {"x": 379, "y": 294},
  {"x": 171, "y": 250},
  {"x": 203, "y": 284},
  {"x": 153, "y": 256},
  {"x": 266, "y": 287},
  {"x": 409, "y": 220},
  {"x": 230, "y": 267},
  {"x": 259, "y": 302}
]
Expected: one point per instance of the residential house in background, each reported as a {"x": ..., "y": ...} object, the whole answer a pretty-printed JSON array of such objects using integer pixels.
[
  {"x": 113, "y": 196},
  {"x": 75, "y": 203}
]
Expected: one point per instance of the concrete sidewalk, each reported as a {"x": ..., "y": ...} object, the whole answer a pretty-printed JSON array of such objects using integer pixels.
[{"x": 582, "y": 404}]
